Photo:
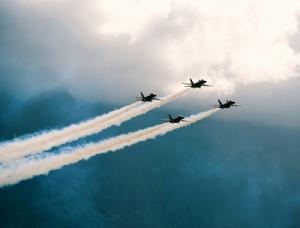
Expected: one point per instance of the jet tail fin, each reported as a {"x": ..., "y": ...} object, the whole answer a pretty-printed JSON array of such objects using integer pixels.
[
  {"x": 170, "y": 117},
  {"x": 191, "y": 81},
  {"x": 220, "y": 103},
  {"x": 142, "y": 95}
]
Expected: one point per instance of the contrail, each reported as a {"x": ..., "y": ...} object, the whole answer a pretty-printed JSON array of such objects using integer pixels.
[
  {"x": 12, "y": 173},
  {"x": 47, "y": 140}
]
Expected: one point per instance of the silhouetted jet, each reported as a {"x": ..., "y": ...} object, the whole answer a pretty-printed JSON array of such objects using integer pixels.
[
  {"x": 198, "y": 84},
  {"x": 175, "y": 120},
  {"x": 148, "y": 98},
  {"x": 228, "y": 104}
]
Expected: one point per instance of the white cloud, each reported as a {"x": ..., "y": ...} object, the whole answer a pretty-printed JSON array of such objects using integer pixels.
[
  {"x": 111, "y": 49},
  {"x": 231, "y": 42}
]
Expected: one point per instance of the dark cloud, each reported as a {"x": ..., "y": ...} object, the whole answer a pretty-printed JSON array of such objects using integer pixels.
[
  {"x": 214, "y": 174},
  {"x": 45, "y": 49}
]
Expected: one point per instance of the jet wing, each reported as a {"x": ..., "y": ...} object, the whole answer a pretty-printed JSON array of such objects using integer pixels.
[{"x": 185, "y": 121}]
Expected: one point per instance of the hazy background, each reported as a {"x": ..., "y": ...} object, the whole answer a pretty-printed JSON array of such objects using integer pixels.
[{"x": 64, "y": 61}]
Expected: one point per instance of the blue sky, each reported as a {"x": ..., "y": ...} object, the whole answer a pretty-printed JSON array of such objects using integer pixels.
[{"x": 65, "y": 61}]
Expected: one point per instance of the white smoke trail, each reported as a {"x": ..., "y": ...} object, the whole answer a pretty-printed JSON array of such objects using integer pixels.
[
  {"x": 15, "y": 172},
  {"x": 45, "y": 141}
]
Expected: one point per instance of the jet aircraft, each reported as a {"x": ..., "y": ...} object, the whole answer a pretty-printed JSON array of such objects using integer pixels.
[
  {"x": 176, "y": 119},
  {"x": 228, "y": 104},
  {"x": 197, "y": 84},
  {"x": 148, "y": 98}
]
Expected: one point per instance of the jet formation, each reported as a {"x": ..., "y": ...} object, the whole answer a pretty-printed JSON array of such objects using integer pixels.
[{"x": 200, "y": 83}]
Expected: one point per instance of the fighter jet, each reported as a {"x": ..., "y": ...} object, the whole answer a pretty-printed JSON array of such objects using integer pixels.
[
  {"x": 228, "y": 104},
  {"x": 148, "y": 98},
  {"x": 198, "y": 84},
  {"x": 175, "y": 120}
]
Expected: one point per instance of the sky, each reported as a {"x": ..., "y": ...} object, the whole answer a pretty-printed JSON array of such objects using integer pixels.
[
  {"x": 63, "y": 61},
  {"x": 248, "y": 50}
]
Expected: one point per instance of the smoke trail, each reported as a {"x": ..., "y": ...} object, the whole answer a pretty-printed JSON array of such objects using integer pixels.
[
  {"x": 45, "y": 141},
  {"x": 27, "y": 168}
]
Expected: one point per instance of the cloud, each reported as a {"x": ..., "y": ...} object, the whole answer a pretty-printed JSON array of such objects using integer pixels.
[
  {"x": 110, "y": 50},
  {"x": 231, "y": 42}
]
